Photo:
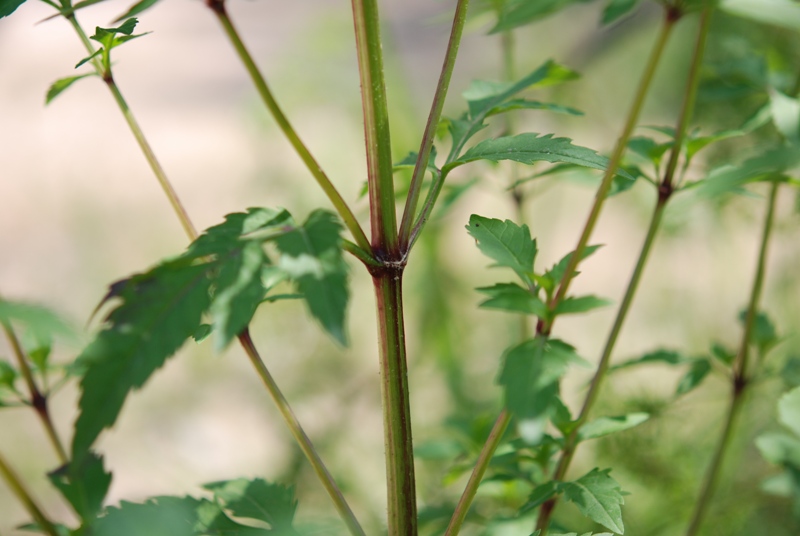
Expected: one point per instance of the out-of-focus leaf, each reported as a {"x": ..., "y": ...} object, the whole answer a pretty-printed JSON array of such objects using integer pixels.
[
  {"x": 790, "y": 372},
  {"x": 670, "y": 357},
  {"x": 60, "y": 85},
  {"x": 580, "y": 304},
  {"x": 616, "y": 9},
  {"x": 513, "y": 298},
  {"x": 598, "y": 497},
  {"x": 556, "y": 273},
  {"x": 609, "y": 425},
  {"x": 763, "y": 334},
  {"x": 789, "y": 410},
  {"x": 782, "y": 13},
  {"x": 137, "y": 8},
  {"x": 779, "y": 448},
  {"x": 518, "y": 13},
  {"x": 723, "y": 354},
  {"x": 540, "y": 495},
  {"x": 527, "y": 104},
  {"x": 7, "y": 7},
  {"x": 507, "y": 243},
  {"x": 84, "y": 483},
  {"x": 173, "y": 516},
  {"x": 771, "y": 162},
  {"x": 40, "y": 322},
  {"x": 697, "y": 373},
  {"x": 257, "y": 499},
  {"x": 785, "y": 115}
]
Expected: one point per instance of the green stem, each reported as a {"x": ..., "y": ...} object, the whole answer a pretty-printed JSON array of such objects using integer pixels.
[
  {"x": 616, "y": 157},
  {"x": 400, "y": 480},
  {"x": 18, "y": 489},
  {"x": 482, "y": 463},
  {"x": 136, "y": 130},
  {"x": 376, "y": 128},
  {"x": 740, "y": 379},
  {"x": 244, "y": 338},
  {"x": 435, "y": 114},
  {"x": 37, "y": 399},
  {"x": 299, "y": 435},
  {"x": 341, "y": 206}
]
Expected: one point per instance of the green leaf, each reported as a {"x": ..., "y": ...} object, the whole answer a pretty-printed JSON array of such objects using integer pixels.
[
  {"x": 580, "y": 304},
  {"x": 697, "y": 373},
  {"x": 765, "y": 165},
  {"x": 555, "y": 274},
  {"x": 162, "y": 516},
  {"x": 785, "y": 115},
  {"x": 670, "y": 357},
  {"x": 530, "y": 375},
  {"x": 781, "y": 13},
  {"x": 789, "y": 410},
  {"x": 763, "y": 334},
  {"x": 610, "y": 425},
  {"x": 257, "y": 499},
  {"x": 790, "y": 372},
  {"x": 312, "y": 257},
  {"x": 513, "y": 298},
  {"x": 203, "y": 331},
  {"x": 137, "y": 8},
  {"x": 616, "y": 9},
  {"x": 39, "y": 322},
  {"x": 598, "y": 497},
  {"x": 518, "y": 13},
  {"x": 723, "y": 354},
  {"x": 84, "y": 483},
  {"x": 8, "y": 375},
  {"x": 505, "y": 242},
  {"x": 7, "y": 7},
  {"x": 527, "y": 104},
  {"x": 540, "y": 495},
  {"x": 779, "y": 448},
  {"x": 60, "y": 85},
  {"x": 531, "y": 147}
]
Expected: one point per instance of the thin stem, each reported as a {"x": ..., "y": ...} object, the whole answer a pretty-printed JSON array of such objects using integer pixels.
[
  {"x": 485, "y": 457},
  {"x": 400, "y": 479},
  {"x": 18, "y": 489},
  {"x": 244, "y": 338},
  {"x": 376, "y": 128},
  {"x": 341, "y": 206},
  {"x": 616, "y": 157},
  {"x": 741, "y": 379},
  {"x": 299, "y": 435},
  {"x": 435, "y": 114},
  {"x": 37, "y": 399},
  {"x": 136, "y": 130}
]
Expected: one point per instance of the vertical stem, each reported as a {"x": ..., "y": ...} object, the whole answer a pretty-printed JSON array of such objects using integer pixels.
[
  {"x": 435, "y": 114},
  {"x": 376, "y": 127},
  {"x": 299, "y": 435},
  {"x": 38, "y": 400},
  {"x": 670, "y": 19},
  {"x": 400, "y": 480},
  {"x": 740, "y": 379},
  {"x": 18, "y": 489}
]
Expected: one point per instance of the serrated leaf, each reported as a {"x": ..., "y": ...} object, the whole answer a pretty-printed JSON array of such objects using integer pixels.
[
  {"x": 84, "y": 483},
  {"x": 137, "y": 8},
  {"x": 62, "y": 84},
  {"x": 175, "y": 516},
  {"x": 697, "y": 373},
  {"x": 530, "y": 375},
  {"x": 7, "y": 7},
  {"x": 610, "y": 425},
  {"x": 527, "y": 104},
  {"x": 312, "y": 257},
  {"x": 513, "y": 298},
  {"x": 531, "y": 147},
  {"x": 507, "y": 243},
  {"x": 540, "y": 495},
  {"x": 257, "y": 499},
  {"x": 789, "y": 410},
  {"x": 616, "y": 9},
  {"x": 580, "y": 304},
  {"x": 598, "y": 497},
  {"x": 669, "y": 357}
]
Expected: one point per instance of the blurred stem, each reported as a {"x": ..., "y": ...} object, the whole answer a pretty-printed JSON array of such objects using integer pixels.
[
  {"x": 244, "y": 338},
  {"x": 299, "y": 435},
  {"x": 670, "y": 18},
  {"x": 341, "y": 206},
  {"x": 740, "y": 379},
  {"x": 37, "y": 399},
  {"x": 380, "y": 180},
  {"x": 665, "y": 191},
  {"x": 136, "y": 130},
  {"x": 400, "y": 478},
  {"x": 18, "y": 489},
  {"x": 423, "y": 156}
]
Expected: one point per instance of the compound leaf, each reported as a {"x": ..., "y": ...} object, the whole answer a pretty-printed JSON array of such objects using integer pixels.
[{"x": 598, "y": 497}]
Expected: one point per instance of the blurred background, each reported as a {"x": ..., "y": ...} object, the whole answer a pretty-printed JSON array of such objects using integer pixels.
[{"x": 79, "y": 209}]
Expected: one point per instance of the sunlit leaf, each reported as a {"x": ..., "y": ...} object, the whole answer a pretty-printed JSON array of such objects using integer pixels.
[{"x": 598, "y": 497}]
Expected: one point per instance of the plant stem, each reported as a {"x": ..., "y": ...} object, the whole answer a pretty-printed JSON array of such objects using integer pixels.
[
  {"x": 740, "y": 379},
  {"x": 341, "y": 206},
  {"x": 244, "y": 337},
  {"x": 37, "y": 399},
  {"x": 544, "y": 328},
  {"x": 299, "y": 435},
  {"x": 18, "y": 489},
  {"x": 671, "y": 17},
  {"x": 376, "y": 128},
  {"x": 136, "y": 130},
  {"x": 400, "y": 480},
  {"x": 435, "y": 114}
]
